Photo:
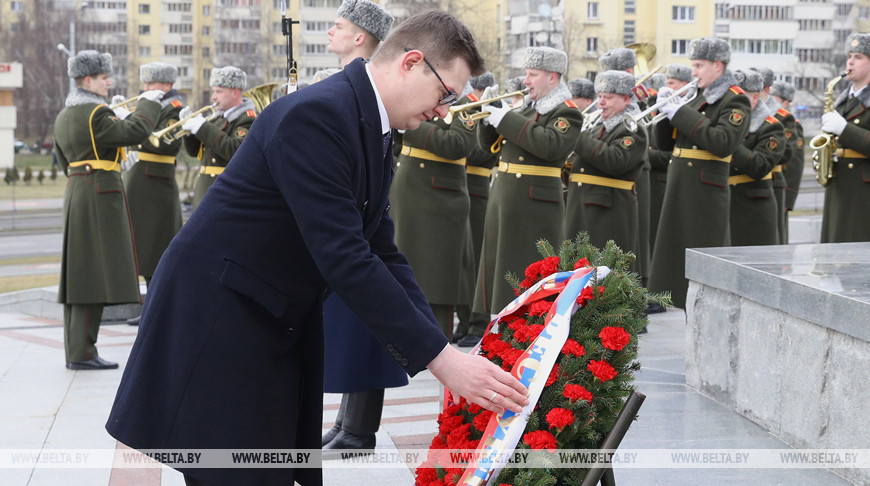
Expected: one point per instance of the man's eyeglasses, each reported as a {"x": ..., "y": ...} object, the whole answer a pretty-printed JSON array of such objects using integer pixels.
[{"x": 451, "y": 96}]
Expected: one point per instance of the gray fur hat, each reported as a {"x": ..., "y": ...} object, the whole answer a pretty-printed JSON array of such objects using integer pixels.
[
  {"x": 368, "y": 15},
  {"x": 228, "y": 77},
  {"x": 483, "y": 81},
  {"x": 710, "y": 49},
  {"x": 158, "y": 72},
  {"x": 324, "y": 73},
  {"x": 89, "y": 63},
  {"x": 515, "y": 84},
  {"x": 619, "y": 82},
  {"x": 678, "y": 71},
  {"x": 546, "y": 59},
  {"x": 858, "y": 43},
  {"x": 783, "y": 90},
  {"x": 766, "y": 73},
  {"x": 618, "y": 59},
  {"x": 656, "y": 81},
  {"x": 749, "y": 80},
  {"x": 581, "y": 88}
]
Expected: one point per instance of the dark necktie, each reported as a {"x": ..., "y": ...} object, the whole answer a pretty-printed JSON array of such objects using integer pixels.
[{"x": 388, "y": 137}]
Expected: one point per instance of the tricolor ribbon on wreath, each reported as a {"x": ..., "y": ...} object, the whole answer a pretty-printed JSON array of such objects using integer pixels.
[{"x": 504, "y": 431}]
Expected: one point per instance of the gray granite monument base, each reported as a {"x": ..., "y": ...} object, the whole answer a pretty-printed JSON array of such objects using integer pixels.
[{"x": 781, "y": 334}]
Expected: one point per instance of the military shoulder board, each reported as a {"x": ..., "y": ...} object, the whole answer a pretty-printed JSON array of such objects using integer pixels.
[
  {"x": 736, "y": 90},
  {"x": 771, "y": 119},
  {"x": 473, "y": 98},
  {"x": 252, "y": 113},
  {"x": 570, "y": 103},
  {"x": 176, "y": 103},
  {"x": 782, "y": 112}
]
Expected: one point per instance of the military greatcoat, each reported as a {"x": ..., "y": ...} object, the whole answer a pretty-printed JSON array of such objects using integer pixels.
[
  {"x": 658, "y": 176},
  {"x": 152, "y": 191},
  {"x": 602, "y": 191},
  {"x": 479, "y": 164},
  {"x": 695, "y": 212},
  {"x": 215, "y": 143},
  {"x": 753, "y": 206},
  {"x": 779, "y": 171},
  {"x": 526, "y": 202},
  {"x": 98, "y": 263},
  {"x": 847, "y": 197},
  {"x": 794, "y": 171},
  {"x": 430, "y": 205}
]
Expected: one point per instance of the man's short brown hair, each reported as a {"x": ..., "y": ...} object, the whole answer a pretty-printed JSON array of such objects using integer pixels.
[{"x": 438, "y": 35}]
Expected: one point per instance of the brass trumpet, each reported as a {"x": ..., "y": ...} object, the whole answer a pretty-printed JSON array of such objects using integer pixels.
[
  {"x": 461, "y": 109},
  {"x": 125, "y": 103},
  {"x": 644, "y": 118},
  {"x": 173, "y": 132}
]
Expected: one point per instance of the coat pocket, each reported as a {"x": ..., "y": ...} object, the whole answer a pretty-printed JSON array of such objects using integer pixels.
[
  {"x": 598, "y": 196},
  {"x": 713, "y": 179},
  {"x": 759, "y": 193},
  {"x": 162, "y": 171},
  {"x": 545, "y": 193},
  {"x": 107, "y": 182},
  {"x": 243, "y": 281},
  {"x": 447, "y": 183}
]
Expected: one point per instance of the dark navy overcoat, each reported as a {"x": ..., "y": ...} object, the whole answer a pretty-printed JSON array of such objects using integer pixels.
[{"x": 230, "y": 347}]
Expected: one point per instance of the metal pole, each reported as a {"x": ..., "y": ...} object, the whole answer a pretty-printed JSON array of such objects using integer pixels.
[{"x": 72, "y": 48}]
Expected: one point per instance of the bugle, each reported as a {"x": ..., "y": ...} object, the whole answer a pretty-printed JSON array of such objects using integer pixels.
[
  {"x": 174, "y": 132},
  {"x": 461, "y": 109},
  {"x": 125, "y": 103},
  {"x": 644, "y": 119}
]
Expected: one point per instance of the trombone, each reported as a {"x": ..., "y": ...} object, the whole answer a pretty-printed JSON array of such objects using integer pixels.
[
  {"x": 461, "y": 109},
  {"x": 643, "y": 118},
  {"x": 173, "y": 132}
]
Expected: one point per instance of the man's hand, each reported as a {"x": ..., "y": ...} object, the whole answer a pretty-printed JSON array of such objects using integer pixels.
[
  {"x": 154, "y": 95},
  {"x": 121, "y": 112},
  {"x": 496, "y": 113},
  {"x": 489, "y": 92},
  {"x": 117, "y": 100},
  {"x": 479, "y": 380},
  {"x": 193, "y": 124},
  {"x": 671, "y": 108},
  {"x": 833, "y": 122}
]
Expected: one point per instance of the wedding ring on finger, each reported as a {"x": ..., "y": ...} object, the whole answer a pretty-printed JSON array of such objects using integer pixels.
[{"x": 492, "y": 398}]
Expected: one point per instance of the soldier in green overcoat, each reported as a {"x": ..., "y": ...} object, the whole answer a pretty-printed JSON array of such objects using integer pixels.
[
  {"x": 98, "y": 263},
  {"x": 709, "y": 128},
  {"x": 783, "y": 93},
  {"x": 753, "y": 205},
  {"x": 847, "y": 197},
  {"x": 602, "y": 195},
  {"x": 215, "y": 139},
  {"x": 526, "y": 202},
  {"x": 430, "y": 206},
  {"x": 152, "y": 191}
]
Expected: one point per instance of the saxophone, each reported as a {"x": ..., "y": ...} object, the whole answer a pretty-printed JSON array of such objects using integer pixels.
[{"x": 824, "y": 145}]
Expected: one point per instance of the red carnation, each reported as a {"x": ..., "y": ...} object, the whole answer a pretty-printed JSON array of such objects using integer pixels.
[
  {"x": 474, "y": 408},
  {"x": 601, "y": 370},
  {"x": 614, "y": 338},
  {"x": 493, "y": 345},
  {"x": 585, "y": 296},
  {"x": 583, "y": 262},
  {"x": 539, "y": 269},
  {"x": 559, "y": 418},
  {"x": 425, "y": 476},
  {"x": 576, "y": 392},
  {"x": 509, "y": 357},
  {"x": 572, "y": 347},
  {"x": 457, "y": 437},
  {"x": 540, "y": 308},
  {"x": 482, "y": 420},
  {"x": 554, "y": 373},
  {"x": 449, "y": 423},
  {"x": 540, "y": 439}
]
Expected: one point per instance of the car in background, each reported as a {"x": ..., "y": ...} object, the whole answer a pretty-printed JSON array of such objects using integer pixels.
[{"x": 18, "y": 145}]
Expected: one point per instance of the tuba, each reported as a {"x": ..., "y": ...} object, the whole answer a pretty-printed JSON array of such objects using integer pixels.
[
  {"x": 261, "y": 95},
  {"x": 824, "y": 145}
]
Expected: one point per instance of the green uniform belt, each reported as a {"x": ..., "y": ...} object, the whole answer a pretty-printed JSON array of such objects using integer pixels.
[
  {"x": 581, "y": 179},
  {"x": 481, "y": 171},
  {"x": 423, "y": 154},
  {"x": 527, "y": 169},
  {"x": 850, "y": 154},
  {"x": 163, "y": 159},
  {"x": 97, "y": 164},
  {"x": 743, "y": 178},
  {"x": 211, "y": 170},
  {"x": 696, "y": 154}
]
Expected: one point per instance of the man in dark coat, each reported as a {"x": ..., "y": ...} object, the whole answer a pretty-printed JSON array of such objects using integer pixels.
[
  {"x": 783, "y": 93},
  {"x": 695, "y": 212},
  {"x": 214, "y": 139},
  {"x": 847, "y": 197},
  {"x": 98, "y": 265},
  {"x": 230, "y": 348},
  {"x": 602, "y": 195},
  {"x": 753, "y": 204},
  {"x": 526, "y": 203},
  {"x": 152, "y": 192}
]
